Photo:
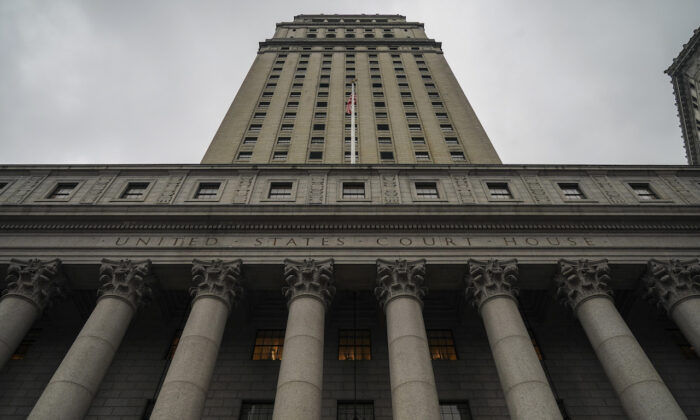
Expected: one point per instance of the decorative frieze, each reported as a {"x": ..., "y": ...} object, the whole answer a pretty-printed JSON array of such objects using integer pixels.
[
  {"x": 317, "y": 189},
  {"x": 390, "y": 188},
  {"x": 217, "y": 278},
  {"x": 463, "y": 188},
  {"x": 96, "y": 189},
  {"x": 171, "y": 189},
  {"x": 580, "y": 280},
  {"x": 126, "y": 279},
  {"x": 309, "y": 278},
  {"x": 536, "y": 190},
  {"x": 488, "y": 279},
  {"x": 607, "y": 189},
  {"x": 242, "y": 192},
  {"x": 670, "y": 282},
  {"x": 30, "y": 183},
  {"x": 680, "y": 189},
  {"x": 38, "y": 281},
  {"x": 400, "y": 278}
]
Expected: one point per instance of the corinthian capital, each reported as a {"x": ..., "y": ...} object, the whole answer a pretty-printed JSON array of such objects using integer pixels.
[
  {"x": 400, "y": 278},
  {"x": 217, "y": 278},
  {"x": 670, "y": 282},
  {"x": 487, "y": 279},
  {"x": 309, "y": 278},
  {"x": 37, "y": 281},
  {"x": 126, "y": 279},
  {"x": 581, "y": 280}
]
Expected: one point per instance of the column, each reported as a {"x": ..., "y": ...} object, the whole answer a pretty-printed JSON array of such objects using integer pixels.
[
  {"x": 31, "y": 285},
  {"x": 675, "y": 285},
  {"x": 309, "y": 292},
  {"x": 217, "y": 287},
  {"x": 400, "y": 292},
  {"x": 523, "y": 381},
  {"x": 583, "y": 285},
  {"x": 71, "y": 389}
]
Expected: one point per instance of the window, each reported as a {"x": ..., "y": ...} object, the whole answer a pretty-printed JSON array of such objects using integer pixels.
[
  {"x": 29, "y": 339},
  {"x": 279, "y": 156},
  {"x": 379, "y": 104},
  {"x": 245, "y": 156},
  {"x": 290, "y": 115},
  {"x": 382, "y": 127},
  {"x": 319, "y": 127},
  {"x": 442, "y": 345},
  {"x": 355, "y": 410},
  {"x": 207, "y": 190},
  {"x": 271, "y": 85},
  {"x": 294, "y": 95},
  {"x": 441, "y": 115},
  {"x": 317, "y": 140},
  {"x": 259, "y": 115},
  {"x": 386, "y": 155},
  {"x": 411, "y": 115},
  {"x": 287, "y": 127},
  {"x": 134, "y": 190},
  {"x": 351, "y": 190},
  {"x": 405, "y": 94},
  {"x": 380, "y": 114},
  {"x": 499, "y": 191},
  {"x": 644, "y": 192},
  {"x": 267, "y": 95},
  {"x": 446, "y": 127},
  {"x": 250, "y": 140},
  {"x": 384, "y": 140},
  {"x": 315, "y": 155},
  {"x": 572, "y": 191},
  {"x": 62, "y": 191},
  {"x": 451, "y": 140},
  {"x": 256, "y": 410},
  {"x": 3, "y": 185},
  {"x": 268, "y": 344},
  {"x": 255, "y": 127},
  {"x": 427, "y": 190},
  {"x": 422, "y": 156},
  {"x": 414, "y": 127},
  {"x": 417, "y": 140},
  {"x": 321, "y": 104},
  {"x": 457, "y": 156},
  {"x": 455, "y": 411},
  {"x": 280, "y": 190},
  {"x": 284, "y": 140},
  {"x": 347, "y": 156}
]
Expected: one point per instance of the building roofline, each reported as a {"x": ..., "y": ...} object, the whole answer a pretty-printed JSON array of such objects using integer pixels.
[{"x": 688, "y": 50}]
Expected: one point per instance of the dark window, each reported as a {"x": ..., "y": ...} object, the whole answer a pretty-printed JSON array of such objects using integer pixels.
[
  {"x": 207, "y": 190},
  {"x": 280, "y": 190},
  {"x": 355, "y": 410},
  {"x": 290, "y": 115},
  {"x": 320, "y": 115},
  {"x": 315, "y": 155},
  {"x": 384, "y": 140},
  {"x": 319, "y": 127},
  {"x": 417, "y": 140},
  {"x": 446, "y": 127},
  {"x": 317, "y": 140},
  {"x": 256, "y": 410},
  {"x": 287, "y": 127},
  {"x": 451, "y": 140},
  {"x": 379, "y": 104},
  {"x": 427, "y": 190},
  {"x": 267, "y": 94},
  {"x": 382, "y": 127},
  {"x": 386, "y": 155},
  {"x": 135, "y": 190},
  {"x": 572, "y": 191},
  {"x": 279, "y": 156},
  {"x": 293, "y": 104},
  {"x": 422, "y": 156},
  {"x": 250, "y": 140},
  {"x": 376, "y": 85},
  {"x": 457, "y": 156},
  {"x": 442, "y": 345},
  {"x": 351, "y": 190},
  {"x": 499, "y": 191},
  {"x": 29, "y": 339},
  {"x": 264, "y": 104},
  {"x": 458, "y": 410},
  {"x": 411, "y": 115},
  {"x": 269, "y": 344},
  {"x": 441, "y": 115},
  {"x": 414, "y": 127},
  {"x": 259, "y": 115},
  {"x": 284, "y": 140},
  {"x": 322, "y": 104},
  {"x": 245, "y": 155},
  {"x": 644, "y": 192},
  {"x": 380, "y": 114},
  {"x": 62, "y": 190},
  {"x": 255, "y": 127}
]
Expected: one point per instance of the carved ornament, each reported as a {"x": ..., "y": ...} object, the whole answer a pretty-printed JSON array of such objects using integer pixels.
[
  {"x": 217, "y": 278},
  {"x": 309, "y": 278},
  {"x": 126, "y": 279},
  {"x": 670, "y": 282},
  {"x": 581, "y": 280},
  {"x": 400, "y": 278},
  {"x": 488, "y": 279},
  {"x": 38, "y": 281}
]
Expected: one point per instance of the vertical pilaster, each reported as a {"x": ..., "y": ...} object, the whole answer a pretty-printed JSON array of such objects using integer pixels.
[
  {"x": 184, "y": 391},
  {"x": 583, "y": 285},
  {"x": 400, "y": 292},
  {"x": 31, "y": 285},
  {"x": 72, "y": 388},
  {"x": 309, "y": 292},
  {"x": 523, "y": 381}
]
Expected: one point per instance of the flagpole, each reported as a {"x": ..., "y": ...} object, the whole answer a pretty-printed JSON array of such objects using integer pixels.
[{"x": 352, "y": 124}]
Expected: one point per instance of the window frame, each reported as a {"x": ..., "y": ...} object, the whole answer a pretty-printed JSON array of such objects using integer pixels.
[
  {"x": 54, "y": 186},
  {"x": 268, "y": 185},
  {"x": 355, "y": 180},
  {"x": 452, "y": 337},
  {"x": 197, "y": 182},
  {"x": 257, "y": 331},
  {"x": 629, "y": 184},
  {"x": 514, "y": 194},
  {"x": 125, "y": 185},
  {"x": 438, "y": 185},
  {"x": 355, "y": 345}
]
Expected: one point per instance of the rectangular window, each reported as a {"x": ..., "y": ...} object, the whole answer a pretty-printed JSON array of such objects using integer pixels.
[
  {"x": 256, "y": 410},
  {"x": 456, "y": 410},
  {"x": 207, "y": 190},
  {"x": 295, "y": 95},
  {"x": 427, "y": 190},
  {"x": 267, "y": 95},
  {"x": 442, "y": 345},
  {"x": 135, "y": 190},
  {"x": 317, "y": 140},
  {"x": 280, "y": 190},
  {"x": 346, "y": 156},
  {"x": 417, "y": 140},
  {"x": 284, "y": 140},
  {"x": 384, "y": 140},
  {"x": 279, "y": 156},
  {"x": 321, "y": 104},
  {"x": 287, "y": 127},
  {"x": 405, "y": 94},
  {"x": 382, "y": 127},
  {"x": 355, "y": 410},
  {"x": 571, "y": 191},
  {"x": 441, "y": 115},
  {"x": 245, "y": 156},
  {"x": 290, "y": 115},
  {"x": 451, "y": 140},
  {"x": 380, "y": 114},
  {"x": 422, "y": 156},
  {"x": 353, "y": 190},
  {"x": 250, "y": 140},
  {"x": 379, "y": 104},
  {"x": 319, "y": 127},
  {"x": 63, "y": 190},
  {"x": 457, "y": 156},
  {"x": 446, "y": 127},
  {"x": 255, "y": 127},
  {"x": 414, "y": 127},
  {"x": 499, "y": 191},
  {"x": 269, "y": 344},
  {"x": 644, "y": 191},
  {"x": 259, "y": 115},
  {"x": 411, "y": 115},
  {"x": 315, "y": 155}
]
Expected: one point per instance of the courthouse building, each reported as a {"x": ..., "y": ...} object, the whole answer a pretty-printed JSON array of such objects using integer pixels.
[{"x": 277, "y": 279}]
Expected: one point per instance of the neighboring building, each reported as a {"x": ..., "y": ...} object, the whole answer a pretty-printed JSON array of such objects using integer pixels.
[
  {"x": 685, "y": 76},
  {"x": 405, "y": 288}
]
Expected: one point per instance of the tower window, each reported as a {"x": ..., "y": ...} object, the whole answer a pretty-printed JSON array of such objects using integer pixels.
[
  {"x": 457, "y": 156},
  {"x": 284, "y": 140},
  {"x": 383, "y": 127},
  {"x": 317, "y": 140},
  {"x": 287, "y": 127},
  {"x": 644, "y": 191},
  {"x": 207, "y": 190},
  {"x": 256, "y": 410},
  {"x": 379, "y": 104},
  {"x": 290, "y": 115},
  {"x": 414, "y": 127},
  {"x": 280, "y": 190},
  {"x": 442, "y": 345},
  {"x": 352, "y": 190},
  {"x": 245, "y": 156},
  {"x": 384, "y": 140},
  {"x": 250, "y": 140},
  {"x": 315, "y": 155},
  {"x": 446, "y": 127},
  {"x": 292, "y": 104},
  {"x": 134, "y": 190},
  {"x": 455, "y": 410},
  {"x": 441, "y": 115},
  {"x": 259, "y": 115},
  {"x": 427, "y": 190},
  {"x": 321, "y": 104},
  {"x": 499, "y": 191},
  {"x": 352, "y": 410},
  {"x": 386, "y": 155},
  {"x": 62, "y": 191},
  {"x": 451, "y": 140},
  {"x": 422, "y": 156},
  {"x": 255, "y": 127},
  {"x": 279, "y": 156},
  {"x": 319, "y": 127},
  {"x": 417, "y": 140},
  {"x": 571, "y": 191}
]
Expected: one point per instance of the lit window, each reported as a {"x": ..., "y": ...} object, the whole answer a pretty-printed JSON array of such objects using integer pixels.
[
  {"x": 29, "y": 339},
  {"x": 207, "y": 190},
  {"x": 458, "y": 410},
  {"x": 135, "y": 190},
  {"x": 442, "y": 345},
  {"x": 572, "y": 191},
  {"x": 499, "y": 191},
  {"x": 256, "y": 410},
  {"x": 355, "y": 410},
  {"x": 279, "y": 156},
  {"x": 422, "y": 156},
  {"x": 268, "y": 345},
  {"x": 315, "y": 155},
  {"x": 280, "y": 190},
  {"x": 457, "y": 156},
  {"x": 245, "y": 156},
  {"x": 644, "y": 192},
  {"x": 62, "y": 191},
  {"x": 354, "y": 344},
  {"x": 353, "y": 190},
  {"x": 427, "y": 190}
]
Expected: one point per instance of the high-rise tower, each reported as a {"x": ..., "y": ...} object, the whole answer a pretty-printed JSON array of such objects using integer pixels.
[{"x": 291, "y": 106}]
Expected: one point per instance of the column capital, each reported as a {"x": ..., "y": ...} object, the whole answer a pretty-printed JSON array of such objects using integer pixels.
[
  {"x": 581, "y": 280},
  {"x": 127, "y": 280},
  {"x": 400, "y": 278},
  {"x": 488, "y": 279},
  {"x": 38, "y": 281},
  {"x": 671, "y": 281},
  {"x": 218, "y": 279},
  {"x": 309, "y": 278}
]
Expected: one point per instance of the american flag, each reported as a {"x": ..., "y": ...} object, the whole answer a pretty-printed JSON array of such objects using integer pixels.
[{"x": 348, "y": 107}]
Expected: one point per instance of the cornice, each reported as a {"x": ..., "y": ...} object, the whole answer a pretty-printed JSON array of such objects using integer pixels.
[
  {"x": 350, "y": 41},
  {"x": 688, "y": 50}
]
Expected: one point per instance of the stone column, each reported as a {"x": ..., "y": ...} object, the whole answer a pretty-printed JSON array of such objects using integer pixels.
[
  {"x": 583, "y": 285},
  {"x": 523, "y": 381},
  {"x": 675, "y": 285},
  {"x": 184, "y": 391},
  {"x": 31, "y": 285},
  {"x": 71, "y": 389},
  {"x": 400, "y": 292},
  {"x": 309, "y": 292}
]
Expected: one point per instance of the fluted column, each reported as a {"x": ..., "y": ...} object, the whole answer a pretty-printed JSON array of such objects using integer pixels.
[
  {"x": 74, "y": 384},
  {"x": 523, "y": 381},
  {"x": 400, "y": 292},
  {"x": 675, "y": 285},
  {"x": 31, "y": 285},
  {"x": 217, "y": 287},
  {"x": 583, "y": 285},
  {"x": 309, "y": 292}
]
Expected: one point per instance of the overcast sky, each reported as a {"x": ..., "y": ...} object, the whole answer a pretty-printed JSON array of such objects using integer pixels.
[{"x": 124, "y": 81}]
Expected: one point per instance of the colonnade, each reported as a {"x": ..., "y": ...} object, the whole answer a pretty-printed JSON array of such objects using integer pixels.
[{"x": 400, "y": 288}]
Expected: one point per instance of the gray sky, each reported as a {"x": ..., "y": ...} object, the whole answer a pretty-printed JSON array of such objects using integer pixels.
[{"x": 124, "y": 81}]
